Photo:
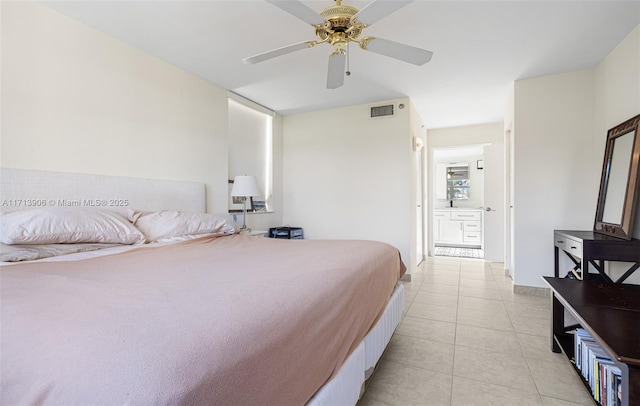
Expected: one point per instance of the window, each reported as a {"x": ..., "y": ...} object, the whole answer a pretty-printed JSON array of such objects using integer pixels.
[{"x": 250, "y": 146}]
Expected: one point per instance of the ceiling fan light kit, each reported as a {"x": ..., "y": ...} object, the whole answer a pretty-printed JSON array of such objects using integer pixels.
[{"x": 339, "y": 25}]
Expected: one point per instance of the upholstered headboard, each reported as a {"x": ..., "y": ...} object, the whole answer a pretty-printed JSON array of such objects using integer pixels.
[{"x": 22, "y": 189}]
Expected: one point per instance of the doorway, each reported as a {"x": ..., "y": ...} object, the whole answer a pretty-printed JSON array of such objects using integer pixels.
[
  {"x": 458, "y": 202},
  {"x": 486, "y": 163},
  {"x": 486, "y": 167}
]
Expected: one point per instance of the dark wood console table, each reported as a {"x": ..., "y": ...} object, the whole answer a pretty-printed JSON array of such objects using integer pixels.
[
  {"x": 587, "y": 247},
  {"x": 611, "y": 314}
]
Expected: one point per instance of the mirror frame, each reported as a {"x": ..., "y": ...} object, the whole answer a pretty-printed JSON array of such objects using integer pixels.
[{"x": 625, "y": 229}]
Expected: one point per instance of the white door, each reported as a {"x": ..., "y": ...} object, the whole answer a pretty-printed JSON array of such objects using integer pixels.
[
  {"x": 420, "y": 208},
  {"x": 511, "y": 214},
  {"x": 494, "y": 202},
  {"x": 508, "y": 204}
]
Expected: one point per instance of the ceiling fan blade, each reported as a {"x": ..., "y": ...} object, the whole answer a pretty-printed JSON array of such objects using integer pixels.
[
  {"x": 335, "y": 75},
  {"x": 277, "y": 52},
  {"x": 298, "y": 9},
  {"x": 403, "y": 52},
  {"x": 379, "y": 9}
]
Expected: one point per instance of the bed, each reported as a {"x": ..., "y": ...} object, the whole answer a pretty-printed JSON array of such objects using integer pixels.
[{"x": 204, "y": 318}]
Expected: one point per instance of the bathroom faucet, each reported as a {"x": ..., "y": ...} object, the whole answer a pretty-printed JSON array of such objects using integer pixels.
[{"x": 451, "y": 203}]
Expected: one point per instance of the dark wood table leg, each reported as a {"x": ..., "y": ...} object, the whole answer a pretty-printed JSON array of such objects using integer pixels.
[{"x": 557, "y": 321}]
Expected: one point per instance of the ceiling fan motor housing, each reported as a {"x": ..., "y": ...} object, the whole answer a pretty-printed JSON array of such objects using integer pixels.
[{"x": 340, "y": 26}]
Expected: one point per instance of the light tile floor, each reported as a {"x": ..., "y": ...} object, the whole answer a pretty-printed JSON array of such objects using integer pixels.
[{"x": 466, "y": 339}]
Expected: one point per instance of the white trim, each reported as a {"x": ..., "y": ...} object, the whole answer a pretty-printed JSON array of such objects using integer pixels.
[{"x": 250, "y": 103}]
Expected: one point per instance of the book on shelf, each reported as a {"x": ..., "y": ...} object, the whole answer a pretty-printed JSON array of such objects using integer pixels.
[
  {"x": 580, "y": 336},
  {"x": 612, "y": 378},
  {"x": 616, "y": 389},
  {"x": 598, "y": 370}
]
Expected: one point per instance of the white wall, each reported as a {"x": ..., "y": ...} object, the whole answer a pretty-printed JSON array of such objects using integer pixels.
[
  {"x": 76, "y": 100},
  {"x": 348, "y": 176},
  {"x": 617, "y": 99},
  {"x": 560, "y": 125},
  {"x": 617, "y": 86},
  {"x": 556, "y": 179},
  {"x": 466, "y": 135}
]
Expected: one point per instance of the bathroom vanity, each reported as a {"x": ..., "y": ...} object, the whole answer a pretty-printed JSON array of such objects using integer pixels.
[{"x": 457, "y": 227}]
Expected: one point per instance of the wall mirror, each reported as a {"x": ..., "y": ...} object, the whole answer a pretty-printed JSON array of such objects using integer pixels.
[
  {"x": 619, "y": 182},
  {"x": 458, "y": 182},
  {"x": 452, "y": 181}
]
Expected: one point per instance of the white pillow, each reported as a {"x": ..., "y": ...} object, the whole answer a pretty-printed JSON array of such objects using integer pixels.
[
  {"x": 67, "y": 226},
  {"x": 167, "y": 224}
]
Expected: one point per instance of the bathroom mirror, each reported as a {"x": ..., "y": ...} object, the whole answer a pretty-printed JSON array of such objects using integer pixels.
[
  {"x": 619, "y": 182},
  {"x": 458, "y": 183}
]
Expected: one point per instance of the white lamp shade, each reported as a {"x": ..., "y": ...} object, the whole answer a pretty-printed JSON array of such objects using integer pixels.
[{"x": 245, "y": 186}]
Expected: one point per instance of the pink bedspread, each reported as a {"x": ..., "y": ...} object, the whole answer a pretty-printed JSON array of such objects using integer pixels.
[{"x": 232, "y": 320}]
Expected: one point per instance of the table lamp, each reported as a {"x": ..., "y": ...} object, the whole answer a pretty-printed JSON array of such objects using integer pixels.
[{"x": 243, "y": 187}]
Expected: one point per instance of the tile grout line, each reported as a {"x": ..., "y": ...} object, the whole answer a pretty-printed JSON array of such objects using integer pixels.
[
  {"x": 521, "y": 348},
  {"x": 455, "y": 336},
  {"x": 494, "y": 277}
]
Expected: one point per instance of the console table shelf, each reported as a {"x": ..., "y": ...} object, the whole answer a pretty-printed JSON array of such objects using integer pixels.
[{"x": 611, "y": 314}]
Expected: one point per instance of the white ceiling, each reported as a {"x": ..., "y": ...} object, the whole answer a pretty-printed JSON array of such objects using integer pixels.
[{"x": 480, "y": 48}]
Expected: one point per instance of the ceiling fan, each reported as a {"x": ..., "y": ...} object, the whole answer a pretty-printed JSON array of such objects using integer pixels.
[{"x": 339, "y": 25}]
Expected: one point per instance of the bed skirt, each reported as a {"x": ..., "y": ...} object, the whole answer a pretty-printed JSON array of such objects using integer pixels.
[{"x": 346, "y": 387}]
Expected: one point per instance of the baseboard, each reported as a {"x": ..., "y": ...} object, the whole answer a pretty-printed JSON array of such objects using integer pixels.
[{"x": 531, "y": 291}]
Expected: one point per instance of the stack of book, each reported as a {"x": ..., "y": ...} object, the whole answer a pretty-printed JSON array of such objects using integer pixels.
[{"x": 603, "y": 376}]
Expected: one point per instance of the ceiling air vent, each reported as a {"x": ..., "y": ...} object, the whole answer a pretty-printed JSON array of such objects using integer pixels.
[{"x": 382, "y": 111}]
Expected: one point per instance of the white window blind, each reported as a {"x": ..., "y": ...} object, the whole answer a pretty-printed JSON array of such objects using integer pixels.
[{"x": 250, "y": 146}]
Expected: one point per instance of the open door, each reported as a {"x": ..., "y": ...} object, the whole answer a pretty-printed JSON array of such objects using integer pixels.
[
  {"x": 494, "y": 202},
  {"x": 509, "y": 262},
  {"x": 420, "y": 208}
]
